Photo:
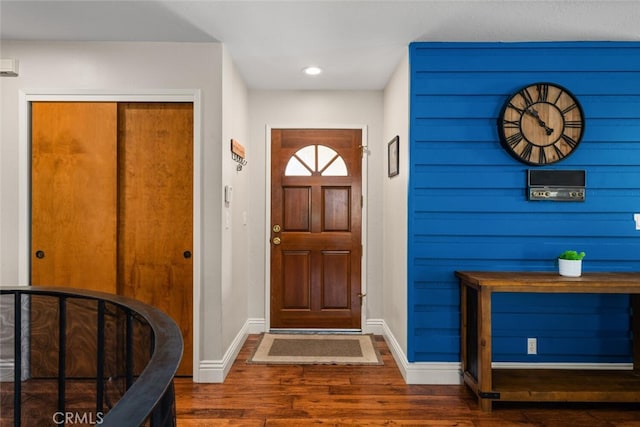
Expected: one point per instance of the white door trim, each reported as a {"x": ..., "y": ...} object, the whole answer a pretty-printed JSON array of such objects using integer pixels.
[
  {"x": 267, "y": 211},
  {"x": 24, "y": 166}
]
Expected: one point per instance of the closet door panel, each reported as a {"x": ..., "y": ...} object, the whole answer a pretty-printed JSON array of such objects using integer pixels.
[
  {"x": 155, "y": 229},
  {"x": 73, "y": 225},
  {"x": 73, "y": 195}
]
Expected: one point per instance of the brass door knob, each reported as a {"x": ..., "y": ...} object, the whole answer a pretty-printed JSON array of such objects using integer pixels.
[
  {"x": 276, "y": 241},
  {"x": 276, "y": 228}
]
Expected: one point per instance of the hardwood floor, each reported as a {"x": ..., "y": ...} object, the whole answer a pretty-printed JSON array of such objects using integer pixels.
[{"x": 300, "y": 395}]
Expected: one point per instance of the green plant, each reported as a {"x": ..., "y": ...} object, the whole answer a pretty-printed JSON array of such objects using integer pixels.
[{"x": 572, "y": 255}]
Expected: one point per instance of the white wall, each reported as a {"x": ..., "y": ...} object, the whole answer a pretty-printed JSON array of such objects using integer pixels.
[
  {"x": 396, "y": 122},
  {"x": 235, "y": 218},
  {"x": 126, "y": 67},
  {"x": 315, "y": 109}
]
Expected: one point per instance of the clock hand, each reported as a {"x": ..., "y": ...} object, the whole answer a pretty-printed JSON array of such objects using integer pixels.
[{"x": 535, "y": 114}]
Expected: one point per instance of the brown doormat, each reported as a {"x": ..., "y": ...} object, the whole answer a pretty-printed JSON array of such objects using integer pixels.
[{"x": 319, "y": 349}]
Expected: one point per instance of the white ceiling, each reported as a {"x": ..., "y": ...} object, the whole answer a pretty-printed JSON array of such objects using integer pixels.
[{"x": 357, "y": 42}]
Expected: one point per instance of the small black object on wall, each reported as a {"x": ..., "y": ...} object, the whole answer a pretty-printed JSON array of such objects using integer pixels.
[{"x": 556, "y": 185}]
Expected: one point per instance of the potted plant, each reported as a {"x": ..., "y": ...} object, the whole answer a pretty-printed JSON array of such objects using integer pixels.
[{"x": 570, "y": 263}]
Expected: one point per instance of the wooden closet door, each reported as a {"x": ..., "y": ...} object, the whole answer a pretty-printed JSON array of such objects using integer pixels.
[
  {"x": 155, "y": 229},
  {"x": 73, "y": 225},
  {"x": 73, "y": 195}
]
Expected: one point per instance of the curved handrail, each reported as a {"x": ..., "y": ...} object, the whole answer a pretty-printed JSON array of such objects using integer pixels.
[{"x": 139, "y": 401}]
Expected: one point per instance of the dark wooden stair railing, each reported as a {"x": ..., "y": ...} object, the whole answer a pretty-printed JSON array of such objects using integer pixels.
[{"x": 144, "y": 348}]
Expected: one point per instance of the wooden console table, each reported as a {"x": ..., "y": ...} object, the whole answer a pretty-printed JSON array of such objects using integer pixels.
[{"x": 564, "y": 385}]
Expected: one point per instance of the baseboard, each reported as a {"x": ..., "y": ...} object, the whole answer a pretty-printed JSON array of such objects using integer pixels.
[
  {"x": 434, "y": 373},
  {"x": 256, "y": 326},
  {"x": 215, "y": 371},
  {"x": 6, "y": 370},
  {"x": 210, "y": 371},
  {"x": 437, "y": 373},
  {"x": 374, "y": 326},
  {"x": 413, "y": 373}
]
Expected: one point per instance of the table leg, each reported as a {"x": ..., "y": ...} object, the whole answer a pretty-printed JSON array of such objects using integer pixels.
[
  {"x": 635, "y": 326},
  {"x": 484, "y": 346},
  {"x": 463, "y": 328}
]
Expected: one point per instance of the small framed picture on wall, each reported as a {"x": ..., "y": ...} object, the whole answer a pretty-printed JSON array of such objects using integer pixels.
[{"x": 393, "y": 157}]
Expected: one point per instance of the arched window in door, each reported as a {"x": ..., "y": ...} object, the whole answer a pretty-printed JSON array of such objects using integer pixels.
[{"x": 316, "y": 160}]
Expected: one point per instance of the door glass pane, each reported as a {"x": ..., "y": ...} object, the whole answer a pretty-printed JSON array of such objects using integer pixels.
[
  {"x": 325, "y": 155},
  {"x": 296, "y": 168},
  {"x": 316, "y": 159},
  {"x": 336, "y": 168},
  {"x": 308, "y": 156}
]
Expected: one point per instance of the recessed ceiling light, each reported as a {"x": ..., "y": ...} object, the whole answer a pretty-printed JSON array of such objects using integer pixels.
[{"x": 312, "y": 71}]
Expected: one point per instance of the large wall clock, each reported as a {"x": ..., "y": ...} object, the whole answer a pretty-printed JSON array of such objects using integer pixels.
[{"x": 541, "y": 124}]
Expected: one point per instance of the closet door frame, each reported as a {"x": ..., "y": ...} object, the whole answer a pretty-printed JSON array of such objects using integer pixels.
[{"x": 26, "y": 97}]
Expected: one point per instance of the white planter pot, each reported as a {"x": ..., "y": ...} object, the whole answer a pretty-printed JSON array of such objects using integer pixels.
[{"x": 570, "y": 267}]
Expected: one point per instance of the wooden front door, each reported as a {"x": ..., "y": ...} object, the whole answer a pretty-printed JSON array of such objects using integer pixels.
[
  {"x": 316, "y": 248},
  {"x": 112, "y": 210}
]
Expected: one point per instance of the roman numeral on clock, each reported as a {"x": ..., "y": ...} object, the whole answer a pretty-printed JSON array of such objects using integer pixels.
[
  {"x": 511, "y": 124},
  {"x": 543, "y": 92},
  {"x": 574, "y": 124},
  {"x": 514, "y": 139},
  {"x": 528, "y": 100},
  {"x": 569, "y": 108},
  {"x": 558, "y": 151},
  {"x": 542, "y": 156},
  {"x": 569, "y": 141},
  {"x": 526, "y": 152},
  {"x": 519, "y": 110}
]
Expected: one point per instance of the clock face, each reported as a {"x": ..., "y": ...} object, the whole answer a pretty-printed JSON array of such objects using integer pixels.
[{"x": 541, "y": 124}]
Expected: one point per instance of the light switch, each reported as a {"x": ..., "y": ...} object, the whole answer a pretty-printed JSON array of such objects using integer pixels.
[{"x": 228, "y": 194}]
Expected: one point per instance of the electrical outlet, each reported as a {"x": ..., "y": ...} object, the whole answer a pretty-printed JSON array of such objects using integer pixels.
[{"x": 532, "y": 346}]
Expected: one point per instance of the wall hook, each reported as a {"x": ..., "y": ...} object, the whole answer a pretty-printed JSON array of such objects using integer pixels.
[{"x": 237, "y": 154}]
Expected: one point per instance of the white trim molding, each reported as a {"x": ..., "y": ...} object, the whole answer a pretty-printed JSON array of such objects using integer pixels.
[
  {"x": 26, "y": 96},
  {"x": 215, "y": 371},
  {"x": 6, "y": 370},
  {"x": 437, "y": 373}
]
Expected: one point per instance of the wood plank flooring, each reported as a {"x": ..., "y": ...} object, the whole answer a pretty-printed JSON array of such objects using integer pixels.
[{"x": 301, "y": 395}]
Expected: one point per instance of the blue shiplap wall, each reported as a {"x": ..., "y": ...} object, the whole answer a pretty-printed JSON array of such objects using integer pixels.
[{"x": 468, "y": 207}]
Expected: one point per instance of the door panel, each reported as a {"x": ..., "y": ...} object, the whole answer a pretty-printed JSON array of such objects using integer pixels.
[
  {"x": 156, "y": 211},
  {"x": 316, "y": 251},
  {"x": 336, "y": 212},
  {"x": 295, "y": 281},
  {"x": 297, "y": 208},
  {"x": 73, "y": 225},
  {"x": 335, "y": 279},
  {"x": 73, "y": 195}
]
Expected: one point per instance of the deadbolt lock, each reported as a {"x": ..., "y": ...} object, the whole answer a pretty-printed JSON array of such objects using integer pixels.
[{"x": 276, "y": 228}]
